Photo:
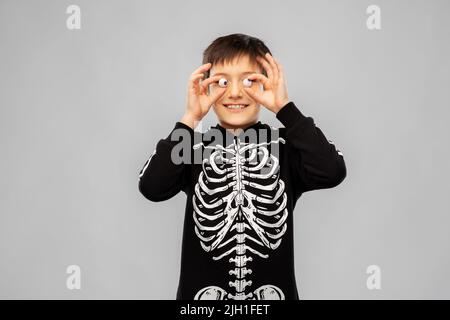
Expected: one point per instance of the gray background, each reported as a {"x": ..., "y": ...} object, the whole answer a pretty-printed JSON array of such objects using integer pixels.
[{"x": 82, "y": 110}]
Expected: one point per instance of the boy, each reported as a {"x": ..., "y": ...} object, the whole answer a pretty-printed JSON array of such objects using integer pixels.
[{"x": 238, "y": 227}]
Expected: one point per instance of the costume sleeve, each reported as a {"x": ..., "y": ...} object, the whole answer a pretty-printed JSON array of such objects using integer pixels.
[
  {"x": 315, "y": 161},
  {"x": 164, "y": 174}
]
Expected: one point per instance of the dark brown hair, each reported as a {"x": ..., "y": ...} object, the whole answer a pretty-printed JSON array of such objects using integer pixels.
[{"x": 225, "y": 49}]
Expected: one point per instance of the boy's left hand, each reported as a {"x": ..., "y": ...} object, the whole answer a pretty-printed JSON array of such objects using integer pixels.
[{"x": 274, "y": 95}]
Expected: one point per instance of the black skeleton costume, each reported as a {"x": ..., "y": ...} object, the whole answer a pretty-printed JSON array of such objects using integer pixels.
[{"x": 238, "y": 227}]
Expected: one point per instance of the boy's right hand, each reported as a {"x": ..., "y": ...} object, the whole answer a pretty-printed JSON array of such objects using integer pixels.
[{"x": 198, "y": 100}]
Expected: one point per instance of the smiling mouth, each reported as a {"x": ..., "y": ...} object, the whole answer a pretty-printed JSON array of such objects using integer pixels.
[{"x": 235, "y": 106}]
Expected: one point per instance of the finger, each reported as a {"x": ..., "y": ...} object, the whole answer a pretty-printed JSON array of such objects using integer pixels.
[
  {"x": 266, "y": 66},
  {"x": 217, "y": 95},
  {"x": 261, "y": 78},
  {"x": 255, "y": 96},
  {"x": 194, "y": 81},
  {"x": 208, "y": 81},
  {"x": 280, "y": 68},
  {"x": 202, "y": 68},
  {"x": 274, "y": 66}
]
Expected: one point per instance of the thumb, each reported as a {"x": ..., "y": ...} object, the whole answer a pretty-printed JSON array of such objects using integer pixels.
[
  {"x": 253, "y": 95},
  {"x": 217, "y": 95}
]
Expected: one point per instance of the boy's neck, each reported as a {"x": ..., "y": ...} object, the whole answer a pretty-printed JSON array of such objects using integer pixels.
[{"x": 236, "y": 130}]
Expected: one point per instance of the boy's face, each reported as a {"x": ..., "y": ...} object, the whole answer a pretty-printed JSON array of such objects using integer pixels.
[{"x": 235, "y": 72}]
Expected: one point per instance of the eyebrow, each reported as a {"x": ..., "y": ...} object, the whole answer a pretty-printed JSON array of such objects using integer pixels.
[{"x": 226, "y": 74}]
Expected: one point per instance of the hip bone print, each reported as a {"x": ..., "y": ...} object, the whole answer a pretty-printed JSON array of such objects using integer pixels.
[{"x": 240, "y": 214}]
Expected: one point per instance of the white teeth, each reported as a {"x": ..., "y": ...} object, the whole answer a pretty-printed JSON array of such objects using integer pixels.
[{"x": 235, "y": 106}]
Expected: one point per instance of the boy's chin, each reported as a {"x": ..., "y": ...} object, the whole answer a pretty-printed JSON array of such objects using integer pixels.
[
  {"x": 236, "y": 118},
  {"x": 238, "y": 121}
]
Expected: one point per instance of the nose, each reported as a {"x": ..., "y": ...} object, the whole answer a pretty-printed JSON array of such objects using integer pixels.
[{"x": 235, "y": 89}]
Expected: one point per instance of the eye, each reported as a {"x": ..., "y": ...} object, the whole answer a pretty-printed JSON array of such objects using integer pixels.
[
  {"x": 223, "y": 82},
  {"x": 247, "y": 82}
]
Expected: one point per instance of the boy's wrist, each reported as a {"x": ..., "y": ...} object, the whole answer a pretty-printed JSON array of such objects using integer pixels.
[
  {"x": 189, "y": 120},
  {"x": 281, "y": 105},
  {"x": 290, "y": 114}
]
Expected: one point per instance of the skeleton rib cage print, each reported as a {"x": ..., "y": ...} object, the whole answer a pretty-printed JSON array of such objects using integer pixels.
[{"x": 239, "y": 211}]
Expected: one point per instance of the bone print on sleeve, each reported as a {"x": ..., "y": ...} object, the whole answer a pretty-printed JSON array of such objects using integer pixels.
[
  {"x": 315, "y": 160},
  {"x": 161, "y": 178}
]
